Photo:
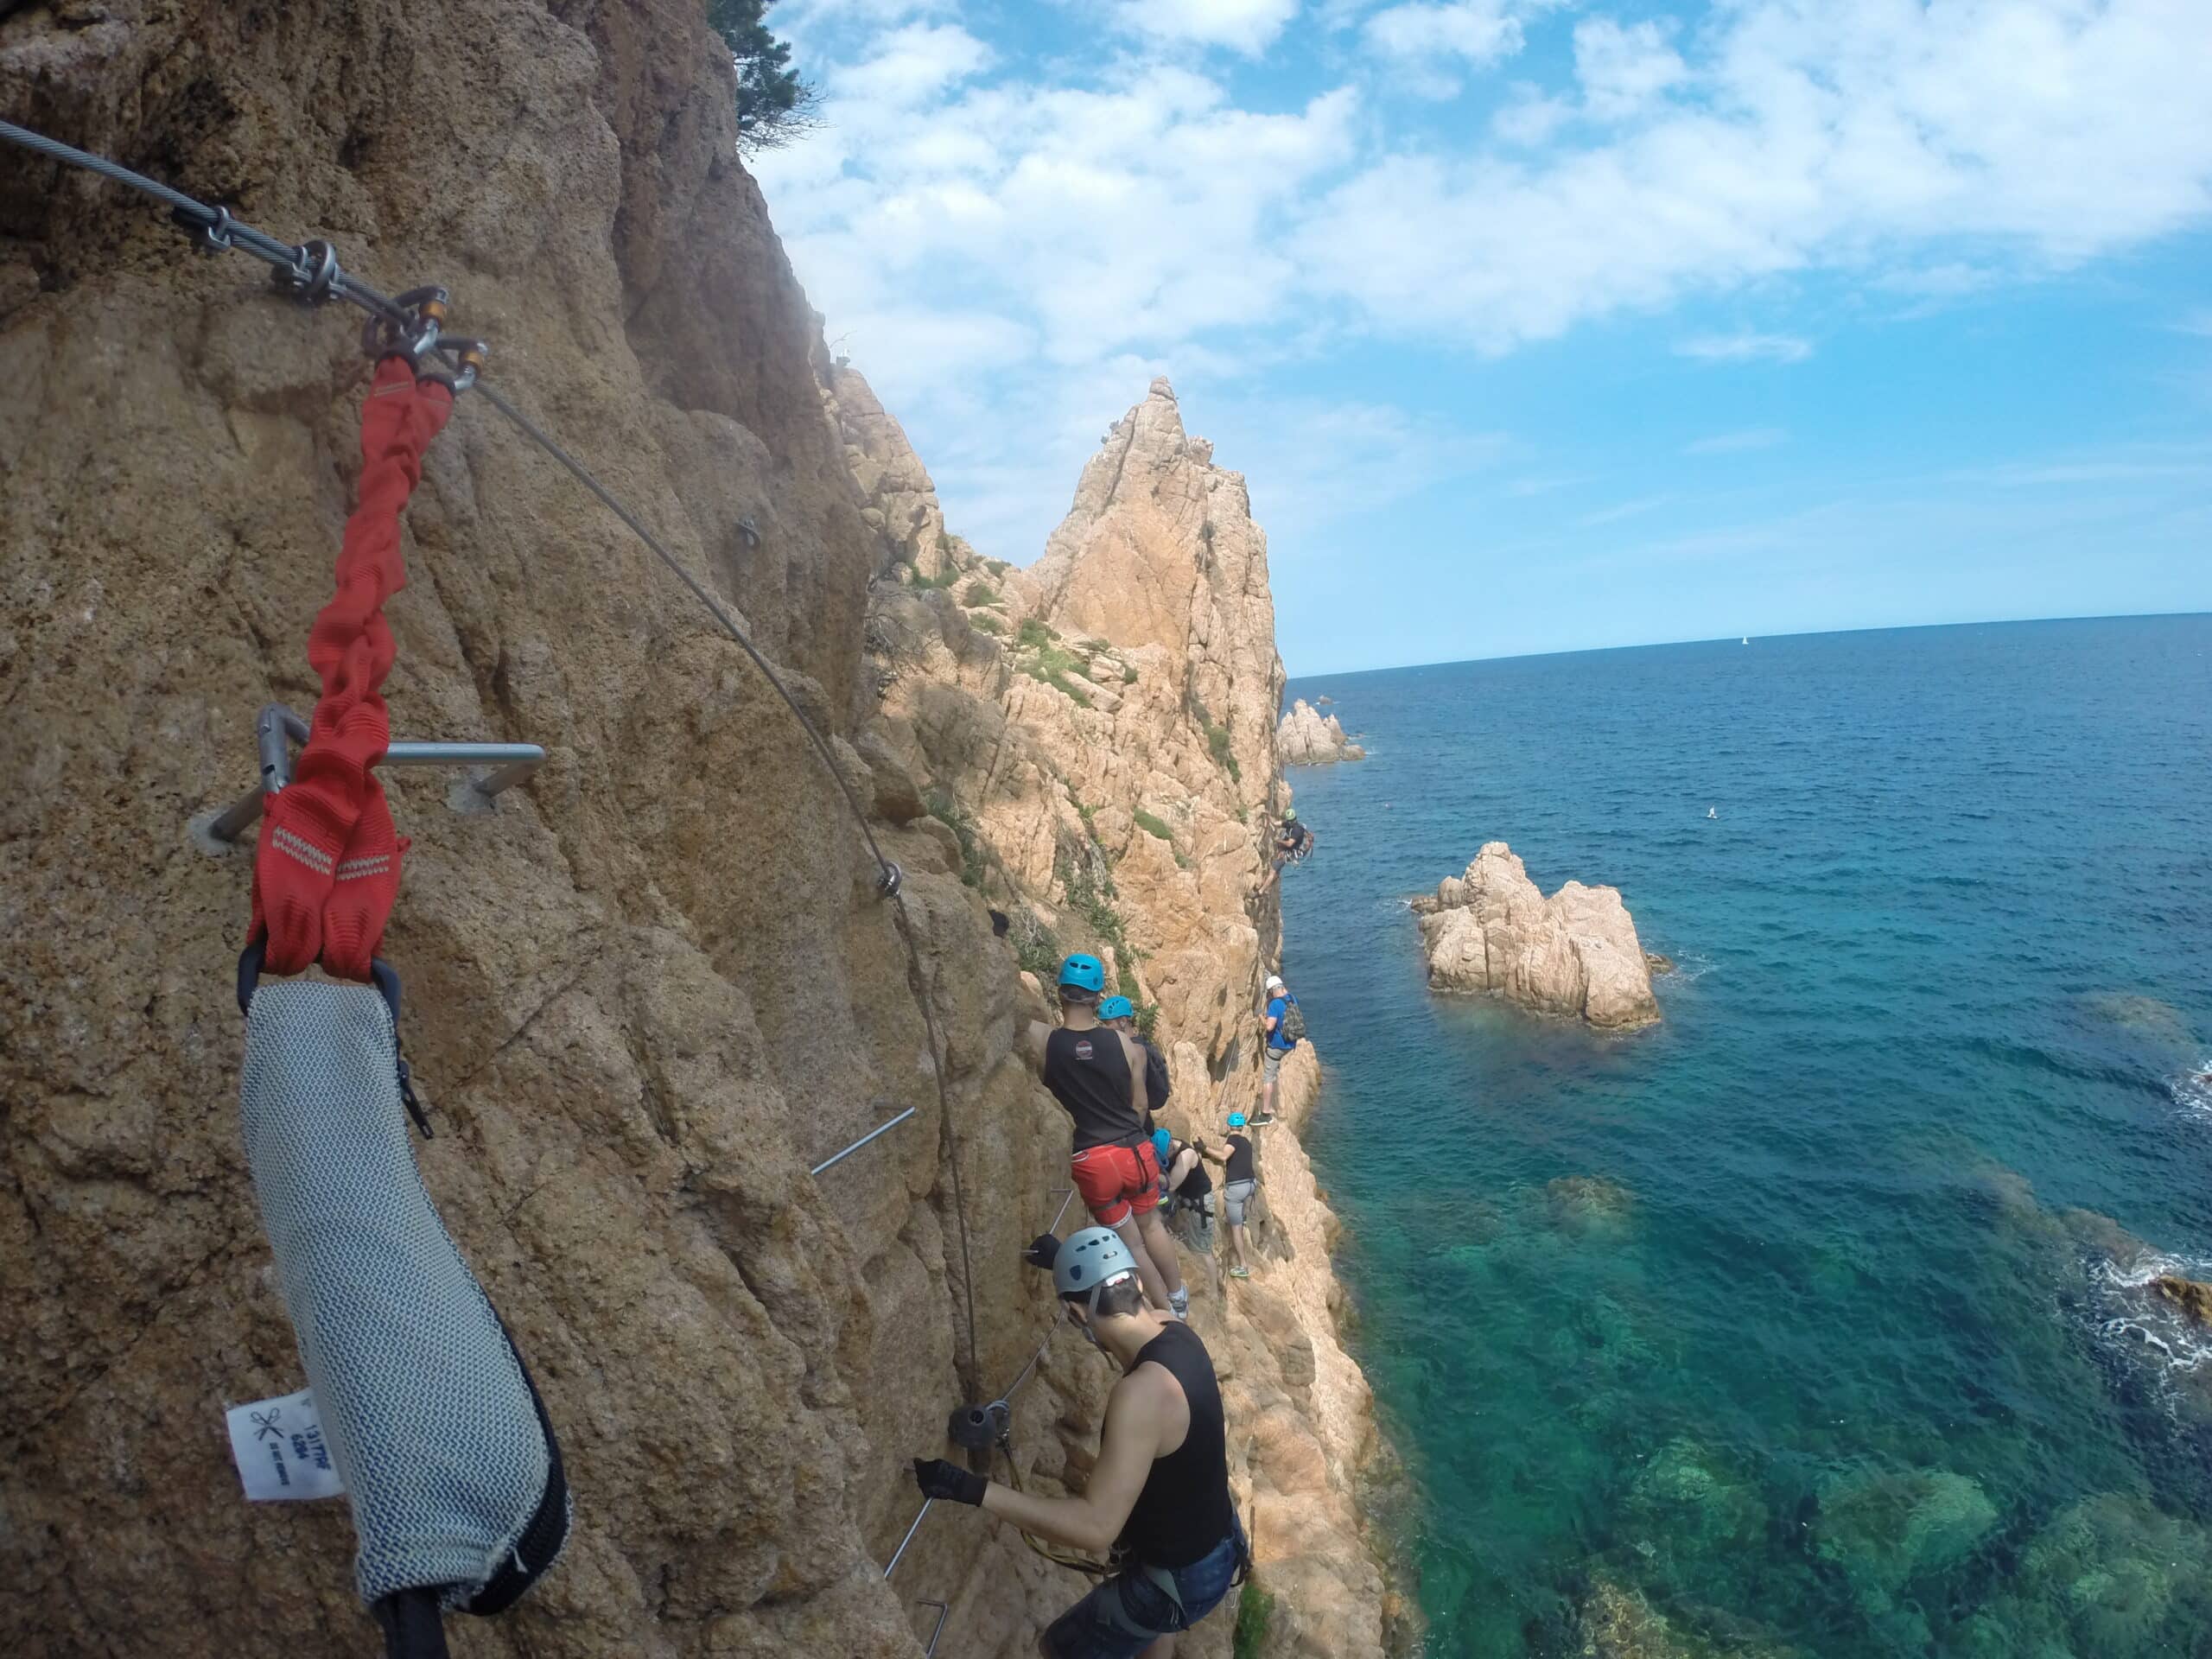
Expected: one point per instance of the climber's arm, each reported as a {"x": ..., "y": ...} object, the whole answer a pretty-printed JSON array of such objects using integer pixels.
[{"x": 1134, "y": 1415}]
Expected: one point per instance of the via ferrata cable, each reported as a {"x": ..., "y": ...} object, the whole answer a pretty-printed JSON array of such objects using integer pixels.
[{"x": 312, "y": 273}]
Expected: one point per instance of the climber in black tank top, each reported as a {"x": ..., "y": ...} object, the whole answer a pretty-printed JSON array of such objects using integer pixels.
[{"x": 1157, "y": 1497}]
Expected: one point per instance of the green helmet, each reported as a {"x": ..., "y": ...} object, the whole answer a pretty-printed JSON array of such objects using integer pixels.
[{"x": 1290, "y": 815}]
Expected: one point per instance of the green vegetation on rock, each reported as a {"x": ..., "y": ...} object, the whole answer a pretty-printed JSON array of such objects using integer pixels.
[
  {"x": 943, "y": 808},
  {"x": 1152, "y": 825},
  {"x": 1255, "y": 1612}
]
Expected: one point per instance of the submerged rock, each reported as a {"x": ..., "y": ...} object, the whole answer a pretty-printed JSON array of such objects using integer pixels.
[
  {"x": 1685, "y": 1505},
  {"x": 1307, "y": 737},
  {"x": 1618, "y": 1623},
  {"x": 1658, "y": 964},
  {"x": 1884, "y": 1527},
  {"x": 1575, "y": 953},
  {"x": 2111, "y": 1575},
  {"x": 2145, "y": 1015},
  {"x": 1588, "y": 1203}
]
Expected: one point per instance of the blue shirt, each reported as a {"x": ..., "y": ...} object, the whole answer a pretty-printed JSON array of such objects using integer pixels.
[{"x": 1277, "y": 1008}]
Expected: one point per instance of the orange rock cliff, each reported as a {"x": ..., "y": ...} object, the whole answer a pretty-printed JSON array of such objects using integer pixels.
[{"x": 651, "y": 990}]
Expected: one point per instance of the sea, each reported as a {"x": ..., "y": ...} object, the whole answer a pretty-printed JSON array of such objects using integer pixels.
[{"x": 1819, "y": 1319}]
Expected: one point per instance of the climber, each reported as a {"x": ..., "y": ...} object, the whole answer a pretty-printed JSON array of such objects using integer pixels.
[
  {"x": 1098, "y": 1075},
  {"x": 1240, "y": 1172},
  {"x": 1120, "y": 1013},
  {"x": 1283, "y": 1027},
  {"x": 1158, "y": 1496},
  {"x": 1294, "y": 840},
  {"x": 1189, "y": 1188}
]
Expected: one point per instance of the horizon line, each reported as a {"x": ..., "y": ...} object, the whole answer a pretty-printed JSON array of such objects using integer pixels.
[{"x": 1721, "y": 638}]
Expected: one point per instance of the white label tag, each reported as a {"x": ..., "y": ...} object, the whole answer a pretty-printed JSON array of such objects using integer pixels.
[{"x": 280, "y": 1450}]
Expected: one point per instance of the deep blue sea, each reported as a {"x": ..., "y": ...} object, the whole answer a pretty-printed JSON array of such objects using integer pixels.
[{"x": 1816, "y": 1319}]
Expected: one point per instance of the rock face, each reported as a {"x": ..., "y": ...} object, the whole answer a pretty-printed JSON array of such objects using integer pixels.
[
  {"x": 654, "y": 987},
  {"x": 1575, "y": 953},
  {"x": 1307, "y": 737},
  {"x": 2192, "y": 1298},
  {"x": 1103, "y": 753}
]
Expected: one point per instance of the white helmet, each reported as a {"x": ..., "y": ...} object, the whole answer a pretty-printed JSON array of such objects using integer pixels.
[{"x": 1088, "y": 1262}]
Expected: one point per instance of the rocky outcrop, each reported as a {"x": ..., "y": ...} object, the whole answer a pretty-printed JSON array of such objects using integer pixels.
[
  {"x": 1097, "y": 732},
  {"x": 2192, "y": 1298},
  {"x": 1308, "y": 738},
  {"x": 652, "y": 989},
  {"x": 1575, "y": 953}
]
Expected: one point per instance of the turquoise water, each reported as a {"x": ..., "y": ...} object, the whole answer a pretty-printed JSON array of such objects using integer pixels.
[{"x": 1817, "y": 1317}]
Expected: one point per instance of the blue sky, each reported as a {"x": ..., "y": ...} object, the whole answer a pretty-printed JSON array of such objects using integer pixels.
[{"x": 1536, "y": 324}]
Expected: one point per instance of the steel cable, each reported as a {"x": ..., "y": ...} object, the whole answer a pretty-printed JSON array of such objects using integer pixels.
[{"x": 226, "y": 231}]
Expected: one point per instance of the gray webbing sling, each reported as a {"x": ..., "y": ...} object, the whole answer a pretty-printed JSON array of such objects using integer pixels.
[{"x": 448, "y": 1459}]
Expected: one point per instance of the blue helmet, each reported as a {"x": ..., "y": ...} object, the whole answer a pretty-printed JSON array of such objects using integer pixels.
[
  {"x": 1088, "y": 1262},
  {"x": 1117, "y": 1007},
  {"x": 1236, "y": 1120},
  {"x": 1160, "y": 1141},
  {"x": 1084, "y": 973}
]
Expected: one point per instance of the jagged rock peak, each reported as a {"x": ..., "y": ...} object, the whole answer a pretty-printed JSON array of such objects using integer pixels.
[
  {"x": 1307, "y": 737},
  {"x": 897, "y": 497},
  {"x": 1575, "y": 953}
]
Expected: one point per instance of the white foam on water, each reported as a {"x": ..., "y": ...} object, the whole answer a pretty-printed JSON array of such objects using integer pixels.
[
  {"x": 2133, "y": 1319},
  {"x": 2191, "y": 1088}
]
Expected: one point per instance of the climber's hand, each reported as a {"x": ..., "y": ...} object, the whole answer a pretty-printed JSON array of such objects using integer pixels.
[{"x": 938, "y": 1478}]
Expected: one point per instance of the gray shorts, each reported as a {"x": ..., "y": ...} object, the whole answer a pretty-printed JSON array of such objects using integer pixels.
[
  {"x": 1271, "y": 1063},
  {"x": 1234, "y": 1197}
]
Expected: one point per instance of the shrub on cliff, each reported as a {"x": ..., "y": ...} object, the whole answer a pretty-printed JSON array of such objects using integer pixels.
[
  {"x": 775, "y": 104},
  {"x": 943, "y": 807}
]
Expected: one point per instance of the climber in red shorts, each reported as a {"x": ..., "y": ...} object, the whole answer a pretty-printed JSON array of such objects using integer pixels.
[{"x": 1097, "y": 1074}]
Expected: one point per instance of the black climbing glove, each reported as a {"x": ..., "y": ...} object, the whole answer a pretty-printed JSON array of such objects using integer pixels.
[
  {"x": 1043, "y": 1251},
  {"x": 938, "y": 1478}
]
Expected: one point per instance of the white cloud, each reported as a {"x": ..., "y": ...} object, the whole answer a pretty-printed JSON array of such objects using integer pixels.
[
  {"x": 2197, "y": 322},
  {"x": 1625, "y": 72},
  {"x": 1011, "y": 244},
  {"x": 1527, "y": 118},
  {"x": 1429, "y": 46},
  {"x": 1477, "y": 31},
  {"x": 912, "y": 65},
  {"x": 1246, "y": 26},
  {"x": 1746, "y": 348},
  {"x": 1803, "y": 134},
  {"x": 1734, "y": 443},
  {"x": 1613, "y": 515}
]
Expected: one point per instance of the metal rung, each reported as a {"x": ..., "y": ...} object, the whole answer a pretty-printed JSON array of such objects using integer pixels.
[
  {"x": 898, "y": 1554},
  {"x": 276, "y": 728},
  {"x": 943, "y": 1612},
  {"x": 863, "y": 1140}
]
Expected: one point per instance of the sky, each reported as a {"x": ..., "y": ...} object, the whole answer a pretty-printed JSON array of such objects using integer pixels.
[{"x": 1535, "y": 325}]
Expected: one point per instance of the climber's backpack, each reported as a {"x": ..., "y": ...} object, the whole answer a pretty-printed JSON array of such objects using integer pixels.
[
  {"x": 444, "y": 1447},
  {"x": 1293, "y": 1021}
]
